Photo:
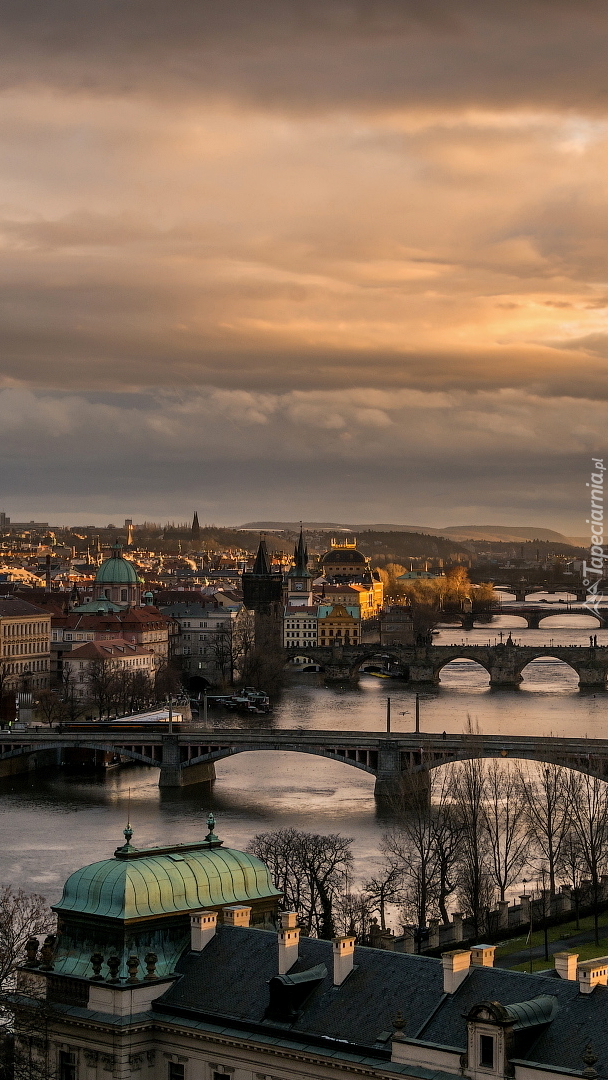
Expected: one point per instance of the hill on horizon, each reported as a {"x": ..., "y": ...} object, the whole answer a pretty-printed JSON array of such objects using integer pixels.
[{"x": 509, "y": 534}]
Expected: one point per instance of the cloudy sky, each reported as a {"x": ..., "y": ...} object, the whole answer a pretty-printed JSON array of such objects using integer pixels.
[{"x": 332, "y": 259}]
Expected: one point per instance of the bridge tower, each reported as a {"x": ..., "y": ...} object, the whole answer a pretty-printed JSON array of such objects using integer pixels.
[{"x": 263, "y": 594}]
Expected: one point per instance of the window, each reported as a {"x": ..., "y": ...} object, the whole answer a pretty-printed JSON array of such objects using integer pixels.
[
  {"x": 67, "y": 1065},
  {"x": 176, "y": 1071},
  {"x": 221, "y": 1076},
  {"x": 486, "y": 1051}
]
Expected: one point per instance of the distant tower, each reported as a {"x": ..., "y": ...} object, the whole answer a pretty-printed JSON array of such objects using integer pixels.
[
  {"x": 299, "y": 578},
  {"x": 130, "y": 534},
  {"x": 195, "y": 531},
  {"x": 263, "y": 594}
]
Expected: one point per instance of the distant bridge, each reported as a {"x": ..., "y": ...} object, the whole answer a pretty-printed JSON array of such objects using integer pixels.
[
  {"x": 189, "y": 756},
  {"x": 533, "y": 612},
  {"x": 526, "y": 582},
  {"x": 423, "y": 664}
]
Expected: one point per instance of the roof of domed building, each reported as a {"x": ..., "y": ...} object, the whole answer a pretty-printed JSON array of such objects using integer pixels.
[
  {"x": 163, "y": 881},
  {"x": 116, "y": 570},
  {"x": 346, "y": 556}
]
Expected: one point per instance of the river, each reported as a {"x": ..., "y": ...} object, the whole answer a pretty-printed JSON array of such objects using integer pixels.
[{"x": 52, "y": 823}]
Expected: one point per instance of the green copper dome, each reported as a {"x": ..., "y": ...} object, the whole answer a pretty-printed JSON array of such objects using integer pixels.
[
  {"x": 116, "y": 570},
  {"x": 166, "y": 881}
]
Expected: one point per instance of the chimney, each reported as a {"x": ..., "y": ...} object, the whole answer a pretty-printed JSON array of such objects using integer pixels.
[
  {"x": 236, "y": 915},
  {"x": 591, "y": 972},
  {"x": 343, "y": 953},
  {"x": 565, "y": 965},
  {"x": 289, "y": 939},
  {"x": 482, "y": 955},
  {"x": 202, "y": 929},
  {"x": 456, "y": 967}
]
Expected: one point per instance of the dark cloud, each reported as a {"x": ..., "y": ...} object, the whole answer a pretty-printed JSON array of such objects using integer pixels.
[
  {"x": 303, "y": 250},
  {"x": 311, "y": 53}
]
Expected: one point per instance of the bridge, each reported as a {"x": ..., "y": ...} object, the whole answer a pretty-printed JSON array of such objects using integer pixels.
[
  {"x": 423, "y": 664},
  {"x": 524, "y": 582},
  {"x": 189, "y": 756},
  {"x": 534, "y": 613}
]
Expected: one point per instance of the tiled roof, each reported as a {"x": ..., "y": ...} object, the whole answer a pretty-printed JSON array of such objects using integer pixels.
[
  {"x": 230, "y": 979},
  {"x": 106, "y": 650},
  {"x": 12, "y": 605}
]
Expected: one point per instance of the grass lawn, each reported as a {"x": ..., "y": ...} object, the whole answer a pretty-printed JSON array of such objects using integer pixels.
[
  {"x": 588, "y": 951},
  {"x": 555, "y": 933}
]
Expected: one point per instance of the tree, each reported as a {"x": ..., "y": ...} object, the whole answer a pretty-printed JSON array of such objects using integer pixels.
[
  {"x": 311, "y": 871},
  {"x": 384, "y": 888},
  {"x": 23, "y": 916},
  {"x": 544, "y": 791},
  {"x": 474, "y": 881},
  {"x": 588, "y": 812},
  {"x": 48, "y": 707},
  {"x": 100, "y": 684},
  {"x": 503, "y": 824},
  {"x": 424, "y": 845}
]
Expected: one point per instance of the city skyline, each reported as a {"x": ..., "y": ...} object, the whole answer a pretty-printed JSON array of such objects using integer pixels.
[{"x": 321, "y": 255}]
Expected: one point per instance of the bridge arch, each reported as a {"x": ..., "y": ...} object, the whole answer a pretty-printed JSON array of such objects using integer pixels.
[
  {"x": 589, "y": 764},
  {"x": 461, "y": 654},
  {"x": 339, "y": 754},
  {"x": 534, "y": 661},
  {"x": 107, "y": 748},
  {"x": 593, "y": 620}
]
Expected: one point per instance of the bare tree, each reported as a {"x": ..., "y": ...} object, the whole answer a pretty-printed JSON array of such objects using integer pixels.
[
  {"x": 410, "y": 846},
  {"x": 48, "y": 707},
  {"x": 384, "y": 888},
  {"x": 503, "y": 821},
  {"x": 23, "y": 916},
  {"x": 572, "y": 864},
  {"x": 544, "y": 791},
  {"x": 311, "y": 870},
  {"x": 353, "y": 915},
  {"x": 100, "y": 683},
  {"x": 588, "y": 799},
  {"x": 474, "y": 881}
]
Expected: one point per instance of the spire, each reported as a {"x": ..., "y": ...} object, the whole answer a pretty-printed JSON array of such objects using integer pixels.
[
  {"x": 300, "y": 559},
  {"x": 300, "y": 555},
  {"x": 195, "y": 531},
  {"x": 261, "y": 566}
]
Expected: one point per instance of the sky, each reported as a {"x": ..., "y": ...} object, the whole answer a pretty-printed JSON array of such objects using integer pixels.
[{"x": 334, "y": 259}]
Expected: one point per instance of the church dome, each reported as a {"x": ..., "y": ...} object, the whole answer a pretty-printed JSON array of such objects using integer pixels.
[
  {"x": 343, "y": 556},
  {"x": 116, "y": 570},
  {"x": 163, "y": 881}
]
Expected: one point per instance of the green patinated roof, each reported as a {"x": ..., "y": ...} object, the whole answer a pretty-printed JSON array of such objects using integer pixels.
[
  {"x": 166, "y": 882},
  {"x": 116, "y": 570}
]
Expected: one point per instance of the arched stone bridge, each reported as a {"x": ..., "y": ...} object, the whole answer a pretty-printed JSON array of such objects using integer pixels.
[
  {"x": 534, "y": 614},
  {"x": 422, "y": 664},
  {"x": 189, "y": 756}
]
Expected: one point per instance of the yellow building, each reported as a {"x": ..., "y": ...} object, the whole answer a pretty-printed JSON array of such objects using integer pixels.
[
  {"x": 350, "y": 578},
  {"x": 25, "y": 631},
  {"x": 338, "y": 625}
]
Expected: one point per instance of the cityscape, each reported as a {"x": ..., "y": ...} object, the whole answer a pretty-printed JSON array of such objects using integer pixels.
[{"x": 303, "y": 601}]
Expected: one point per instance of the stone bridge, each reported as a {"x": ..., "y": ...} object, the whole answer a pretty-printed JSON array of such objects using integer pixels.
[
  {"x": 189, "y": 756},
  {"x": 533, "y": 613},
  {"x": 524, "y": 584},
  {"x": 422, "y": 664}
]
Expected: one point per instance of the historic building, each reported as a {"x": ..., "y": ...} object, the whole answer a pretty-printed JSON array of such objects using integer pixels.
[
  {"x": 212, "y": 638},
  {"x": 343, "y": 565},
  {"x": 173, "y": 963},
  {"x": 117, "y": 580},
  {"x": 144, "y": 626},
  {"x": 118, "y": 655},
  {"x": 25, "y": 632},
  {"x": 338, "y": 625}
]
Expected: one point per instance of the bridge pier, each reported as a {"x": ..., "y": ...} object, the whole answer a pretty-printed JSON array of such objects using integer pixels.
[
  {"x": 591, "y": 675},
  {"x": 175, "y": 773},
  {"x": 505, "y": 675}
]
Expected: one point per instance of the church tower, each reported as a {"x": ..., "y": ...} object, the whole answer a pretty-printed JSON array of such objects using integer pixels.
[
  {"x": 195, "y": 531},
  {"x": 299, "y": 578}
]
